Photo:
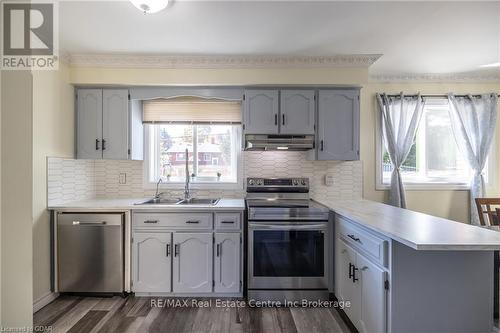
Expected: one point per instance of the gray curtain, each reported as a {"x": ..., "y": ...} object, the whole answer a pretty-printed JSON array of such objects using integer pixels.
[
  {"x": 473, "y": 120},
  {"x": 399, "y": 118}
]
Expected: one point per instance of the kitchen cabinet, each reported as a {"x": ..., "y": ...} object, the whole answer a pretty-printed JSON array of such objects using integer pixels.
[
  {"x": 261, "y": 112},
  {"x": 202, "y": 257},
  {"x": 338, "y": 125},
  {"x": 297, "y": 111},
  {"x": 227, "y": 262},
  {"x": 89, "y": 122},
  {"x": 192, "y": 262},
  {"x": 359, "y": 278},
  {"x": 107, "y": 128},
  {"x": 152, "y": 258},
  {"x": 115, "y": 124}
]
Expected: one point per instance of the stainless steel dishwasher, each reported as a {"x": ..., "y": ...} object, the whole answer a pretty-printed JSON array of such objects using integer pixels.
[{"x": 90, "y": 253}]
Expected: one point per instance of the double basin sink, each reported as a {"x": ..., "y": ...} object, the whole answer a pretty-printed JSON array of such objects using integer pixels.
[{"x": 193, "y": 201}]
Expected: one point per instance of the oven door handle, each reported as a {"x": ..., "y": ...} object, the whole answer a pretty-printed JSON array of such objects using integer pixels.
[{"x": 287, "y": 226}]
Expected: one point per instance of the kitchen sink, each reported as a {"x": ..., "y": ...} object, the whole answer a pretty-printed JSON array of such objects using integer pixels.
[
  {"x": 159, "y": 201},
  {"x": 195, "y": 201}
]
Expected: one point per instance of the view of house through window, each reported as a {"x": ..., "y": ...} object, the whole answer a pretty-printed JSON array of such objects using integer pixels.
[
  {"x": 212, "y": 152},
  {"x": 434, "y": 156}
]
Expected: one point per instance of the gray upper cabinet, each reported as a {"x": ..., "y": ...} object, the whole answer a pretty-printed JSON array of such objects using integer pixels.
[
  {"x": 338, "y": 125},
  {"x": 115, "y": 124},
  {"x": 261, "y": 111},
  {"x": 297, "y": 111},
  {"x": 89, "y": 120},
  {"x": 106, "y": 126}
]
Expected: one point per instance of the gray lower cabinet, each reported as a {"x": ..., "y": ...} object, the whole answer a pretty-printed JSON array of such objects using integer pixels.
[
  {"x": 152, "y": 261},
  {"x": 360, "y": 278},
  {"x": 338, "y": 125},
  {"x": 297, "y": 111},
  {"x": 227, "y": 262},
  {"x": 261, "y": 112},
  {"x": 108, "y": 125},
  {"x": 192, "y": 262}
]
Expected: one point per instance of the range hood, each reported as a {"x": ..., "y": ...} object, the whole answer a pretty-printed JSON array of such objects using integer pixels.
[{"x": 278, "y": 142}]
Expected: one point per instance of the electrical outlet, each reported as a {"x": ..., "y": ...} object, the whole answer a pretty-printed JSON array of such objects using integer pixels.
[
  {"x": 123, "y": 178},
  {"x": 329, "y": 181}
]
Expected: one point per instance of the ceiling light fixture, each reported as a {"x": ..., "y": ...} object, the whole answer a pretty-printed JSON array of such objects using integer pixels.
[
  {"x": 495, "y": 64},
  {"x": 150, "y": 6}
]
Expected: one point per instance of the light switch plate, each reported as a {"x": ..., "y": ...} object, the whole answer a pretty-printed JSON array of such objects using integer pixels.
[
  {"x": 329, "y": 180},
  {"x": 123, "y": 178}
]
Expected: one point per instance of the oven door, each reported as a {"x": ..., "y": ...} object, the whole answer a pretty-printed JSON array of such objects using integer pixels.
[{"x": 288, "y": 255}]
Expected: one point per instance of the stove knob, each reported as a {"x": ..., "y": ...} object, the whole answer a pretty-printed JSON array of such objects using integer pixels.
[
  {"x": 303, "y": 182},
  {"x": 295, "y": 182},
  {"x": 259, "y": 182},
  {"x": 251, "y": 182}
]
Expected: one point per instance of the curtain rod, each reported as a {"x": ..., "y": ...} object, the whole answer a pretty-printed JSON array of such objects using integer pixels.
[{"x": 432, "y": 96}]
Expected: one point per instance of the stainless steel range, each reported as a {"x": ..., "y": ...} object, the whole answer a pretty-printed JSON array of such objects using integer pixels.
[{"x": 288, "y": 241}]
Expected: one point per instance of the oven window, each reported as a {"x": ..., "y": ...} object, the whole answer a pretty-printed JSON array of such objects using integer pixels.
[{"x": 288, "y": 253}]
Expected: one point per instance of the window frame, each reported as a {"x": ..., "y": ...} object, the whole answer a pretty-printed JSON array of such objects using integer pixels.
[
  {"x": 424, "y": 186},
  {"x": 196, "y": 185}
]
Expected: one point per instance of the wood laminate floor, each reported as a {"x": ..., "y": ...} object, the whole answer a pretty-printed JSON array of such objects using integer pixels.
[{"x": 138, "y": 314}]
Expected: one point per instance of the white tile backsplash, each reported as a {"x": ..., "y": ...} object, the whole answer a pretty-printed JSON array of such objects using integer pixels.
[{"x": 70, "y": 180}]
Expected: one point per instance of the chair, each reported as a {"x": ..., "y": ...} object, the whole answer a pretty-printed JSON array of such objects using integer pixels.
[{"x": 484, "y": 209}]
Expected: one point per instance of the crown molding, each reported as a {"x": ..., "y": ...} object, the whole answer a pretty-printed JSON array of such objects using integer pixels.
[
  {"x": 214, "y": 62},
  {"x": 477, "y": 76}
]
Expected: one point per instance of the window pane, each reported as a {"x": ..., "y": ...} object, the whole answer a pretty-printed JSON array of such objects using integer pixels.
[
  {"x": 434, "y": 156},
  {"x": 216, "y": 151},
  {"x": 173, "y": 141}
]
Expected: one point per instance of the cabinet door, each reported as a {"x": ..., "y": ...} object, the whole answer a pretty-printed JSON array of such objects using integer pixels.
[
  {"x": 346, "y": 289},
  {"x": 372, "y": 316},
  {"x": 89, "y": 123},
  {"x": 115, "y": 124},
  {"x": 193, "y": 262},
  {"x": 152, "y": 262},
  {"x": 297, "y": 112},
  {"x": 261, "y": 112},
  {"x": 227, "y": 262},
  {"x": 338, "y": 125}
]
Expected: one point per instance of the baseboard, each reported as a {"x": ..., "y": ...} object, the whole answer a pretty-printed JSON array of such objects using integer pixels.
[{"x": 44, "y": 300}]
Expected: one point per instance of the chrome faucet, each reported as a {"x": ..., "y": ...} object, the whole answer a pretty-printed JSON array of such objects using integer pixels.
[
  {"x": 158, "y": 194},
  {"x": 187, "y": 194}
]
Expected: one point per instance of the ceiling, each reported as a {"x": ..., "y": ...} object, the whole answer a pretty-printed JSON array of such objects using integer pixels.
[{"x": 414, "y": 37}]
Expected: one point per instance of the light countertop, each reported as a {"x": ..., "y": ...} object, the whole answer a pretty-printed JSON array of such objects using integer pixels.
[
  {"x": 416, "y": 230},
  {"x": 130, "y": 204}
]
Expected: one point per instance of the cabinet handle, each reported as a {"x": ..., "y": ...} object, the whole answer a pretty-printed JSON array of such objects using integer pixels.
[
  {"x": 321, "y": 144},
  {"x": 354, "y": 238},
  {"x": 151, "y": 221},
  {"x": 96, "y": 144},
  {"x": 168, "y": 249},
  {"x": 275, "y": 119},
  {"x": 176, "y": 250},
  {"x": 354, "y": 278},
  {"x": 103, "y": 144},
  {"x": 283, "y": 116},
  {"x": 193, "y": 222},
  {"x": 218, "y": 250},
  {"x": 350, "y": 270},
  {"x": 227, "y": 222}
]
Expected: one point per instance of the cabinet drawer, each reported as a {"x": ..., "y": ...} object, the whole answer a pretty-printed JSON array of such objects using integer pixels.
[
  {"x": 374, "y": 246},
  {"x": 228, "y": 221},
  {"x": 173, "y": 220}
]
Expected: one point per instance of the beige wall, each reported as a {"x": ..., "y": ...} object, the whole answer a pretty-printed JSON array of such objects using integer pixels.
[
  {"x": 53, "y": 135},
  {"x": 448, "y": 204},
  {"x": 16, "y": 189}
]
